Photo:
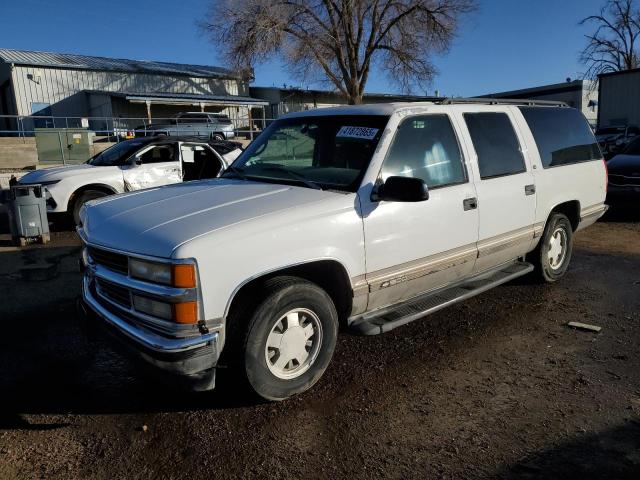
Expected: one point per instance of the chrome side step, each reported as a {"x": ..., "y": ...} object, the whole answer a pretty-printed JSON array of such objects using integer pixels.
[{"x": 388, "y": 318}]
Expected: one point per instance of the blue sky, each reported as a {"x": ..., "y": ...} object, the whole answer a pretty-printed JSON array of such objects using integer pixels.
[{"x": 507, "y": 44}]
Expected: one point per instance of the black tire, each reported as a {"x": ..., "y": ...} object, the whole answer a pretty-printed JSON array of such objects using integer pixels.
[
  {"x": 250, "y": 327},
  {"x": 217, "y": 137},
  {"x": 83, "y": 198},
  {"x": 546, "y": 269}
]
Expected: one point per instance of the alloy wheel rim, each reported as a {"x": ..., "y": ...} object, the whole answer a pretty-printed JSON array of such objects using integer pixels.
[
  {"x": 293, "y": 343},
  {"x": 557, "y": 248}
]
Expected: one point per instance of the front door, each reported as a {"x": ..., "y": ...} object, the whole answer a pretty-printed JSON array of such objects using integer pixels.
[
  {"x": 504, "y": 184},
  {"x": 154, "y": 166},
  {"x": 415, "y": 247}
]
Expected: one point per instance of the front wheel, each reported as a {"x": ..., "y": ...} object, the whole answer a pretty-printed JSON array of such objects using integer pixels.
[
  {"x": 83, "y": 198},
  {"x": 289, "y": 338},
  {"x": 553, "y": 254},
  {"x": 217, "y": 137}
]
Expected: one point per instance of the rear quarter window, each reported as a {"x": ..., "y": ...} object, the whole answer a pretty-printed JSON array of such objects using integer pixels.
[{"x": 562, "y": 135}]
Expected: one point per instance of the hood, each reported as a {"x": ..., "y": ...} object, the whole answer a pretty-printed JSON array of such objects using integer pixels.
[
  {"x": 55, "y": 173},
  {"x": 156, "y": 221},
  {"x": 628, "y": 165}
]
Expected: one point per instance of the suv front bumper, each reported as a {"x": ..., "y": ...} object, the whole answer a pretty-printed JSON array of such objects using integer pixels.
[{"x": 186, "y": 362}]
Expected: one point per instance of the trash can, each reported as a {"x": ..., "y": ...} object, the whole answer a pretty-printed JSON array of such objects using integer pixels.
[{"x": 27, "y": 214}]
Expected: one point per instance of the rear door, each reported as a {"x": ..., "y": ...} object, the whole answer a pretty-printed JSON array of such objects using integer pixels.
[
  {"x": 504, "y": 184},
  {"x": 200, "y": 161},
  {"x": 153, "y": 166},
  {"x": 193, "y": 124}
]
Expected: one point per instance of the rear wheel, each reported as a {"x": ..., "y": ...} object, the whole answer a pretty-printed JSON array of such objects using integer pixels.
[
  {"x": 287, "y": 340},
  {"x": 83, "y": 198},
  {"x": 553, "y": 254}
]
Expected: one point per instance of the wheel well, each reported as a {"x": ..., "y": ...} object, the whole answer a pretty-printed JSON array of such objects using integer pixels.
[
  {"x": 329, "y": 275},
  {"x": 571, "y": 209},
  {"x": 84, "y": 188}
]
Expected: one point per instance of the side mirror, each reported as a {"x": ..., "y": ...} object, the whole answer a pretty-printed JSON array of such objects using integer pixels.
[
  {"x": 137, "y": 161},
  {"x": 402, "y": 189}
]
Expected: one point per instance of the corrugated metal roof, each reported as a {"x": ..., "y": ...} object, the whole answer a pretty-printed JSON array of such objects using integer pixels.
[
  {"x": 190, "y": 97},
  {"x": 84, "y": 62}
]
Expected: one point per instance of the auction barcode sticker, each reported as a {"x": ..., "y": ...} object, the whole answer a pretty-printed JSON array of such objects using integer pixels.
[{"x": 358, "y": 132}]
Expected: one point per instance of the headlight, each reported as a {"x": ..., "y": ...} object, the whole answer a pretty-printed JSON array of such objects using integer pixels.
[
  {"x": 182, "y": 275},
  {"x": 86, "y": 258},
  {"x": 25, "y": 181},
  {"x": 150, "y": 271},
  {"x": 185, "y": 312},
  {"x": 153, "y": 307}
]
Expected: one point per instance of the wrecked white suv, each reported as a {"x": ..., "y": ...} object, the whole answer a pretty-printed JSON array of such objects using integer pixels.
[
  {"x": 131, "y": 165},
  {"x": 365, "y": 217}
]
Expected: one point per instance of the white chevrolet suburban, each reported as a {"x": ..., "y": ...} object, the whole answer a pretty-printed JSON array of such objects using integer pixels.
[{"x": 366, "y": 217}]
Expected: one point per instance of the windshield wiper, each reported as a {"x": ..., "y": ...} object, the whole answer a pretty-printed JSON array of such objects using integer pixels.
[
  {"x": 296, "y": 175},
  {"x": 236, "y": 171}
]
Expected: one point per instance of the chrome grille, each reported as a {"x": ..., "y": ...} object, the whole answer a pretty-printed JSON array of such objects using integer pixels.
[
  {"x": 113, "y": 292},
  {"x": 111, "y": 260}
]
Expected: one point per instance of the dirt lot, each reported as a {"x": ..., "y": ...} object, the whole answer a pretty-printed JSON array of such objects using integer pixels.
[{"x": 498, "y": 386}]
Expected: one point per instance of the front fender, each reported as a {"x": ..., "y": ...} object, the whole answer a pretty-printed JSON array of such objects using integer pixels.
[{"x": 231, "y": 257}]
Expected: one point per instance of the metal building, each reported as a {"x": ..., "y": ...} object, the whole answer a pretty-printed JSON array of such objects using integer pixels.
[
  {"x": 619, "y": 98},
  {"x": 67, "y": 85},
  {"x": 580, "y": 94},
  {"x": 291, "y": 99}
]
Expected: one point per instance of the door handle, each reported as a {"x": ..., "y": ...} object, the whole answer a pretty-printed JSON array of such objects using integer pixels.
[
  {"x": 529, "y": 189},
  {"x": 470, "y": 203}
]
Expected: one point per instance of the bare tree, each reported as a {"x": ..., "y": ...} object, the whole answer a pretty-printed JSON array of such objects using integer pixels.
[
  {"x": 339, "y": 40},
  {"x": 614, "y": 45}
]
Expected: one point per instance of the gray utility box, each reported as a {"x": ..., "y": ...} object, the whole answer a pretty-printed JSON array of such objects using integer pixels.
[
  {"x": 64, "y": 145},
  {"x": 27, "y": 214}
]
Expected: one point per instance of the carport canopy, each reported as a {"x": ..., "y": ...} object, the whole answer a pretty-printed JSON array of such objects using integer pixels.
[{"x": 187, "y": 99}]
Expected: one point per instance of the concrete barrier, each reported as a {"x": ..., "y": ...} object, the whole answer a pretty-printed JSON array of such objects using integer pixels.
[{"x": 20, "y": 152}]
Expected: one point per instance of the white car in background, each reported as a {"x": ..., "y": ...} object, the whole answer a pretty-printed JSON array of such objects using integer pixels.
[{"x": 132, "y": 165}]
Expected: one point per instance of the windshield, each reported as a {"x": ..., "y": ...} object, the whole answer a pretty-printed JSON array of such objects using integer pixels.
[
  {"x": 633, "y": 148},
  {"x": 610, "y": 130},
  {"x": 319, "y": 152},
  {"x": 117, "y": 154}
]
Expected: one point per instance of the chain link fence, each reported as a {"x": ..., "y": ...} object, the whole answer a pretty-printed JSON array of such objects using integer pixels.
[{"x": 26, "y": 141}]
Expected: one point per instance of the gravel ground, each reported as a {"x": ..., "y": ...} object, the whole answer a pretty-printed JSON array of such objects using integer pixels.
[{"x": 497, "y": 386}]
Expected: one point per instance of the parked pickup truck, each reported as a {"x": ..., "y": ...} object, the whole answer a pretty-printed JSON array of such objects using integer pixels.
[
  {"x": 213, "y": 126},
  {"x": 367, "y": 217},
  {"x": 131, "y": 165}
]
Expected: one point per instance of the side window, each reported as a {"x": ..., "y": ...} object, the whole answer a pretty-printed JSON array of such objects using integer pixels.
[
  {"x": 496, "y": 144},
  {"x": 426, "y": 147},
  {"x": 193, "y": 118},
  {"x": 562, "y": 135},
  {"x": 159, "y": 154}
]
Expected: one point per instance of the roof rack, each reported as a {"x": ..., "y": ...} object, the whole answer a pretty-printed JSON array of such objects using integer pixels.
[{"x": 503, "y": 101}]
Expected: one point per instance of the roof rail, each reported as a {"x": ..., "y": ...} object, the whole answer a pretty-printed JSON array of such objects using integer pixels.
[{"x": 503, "y": 101}]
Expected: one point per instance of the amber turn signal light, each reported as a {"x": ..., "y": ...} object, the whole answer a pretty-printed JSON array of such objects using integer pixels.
[
  {"x": 184, "y": 275},
  {"x": 186, "y": 312}
]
